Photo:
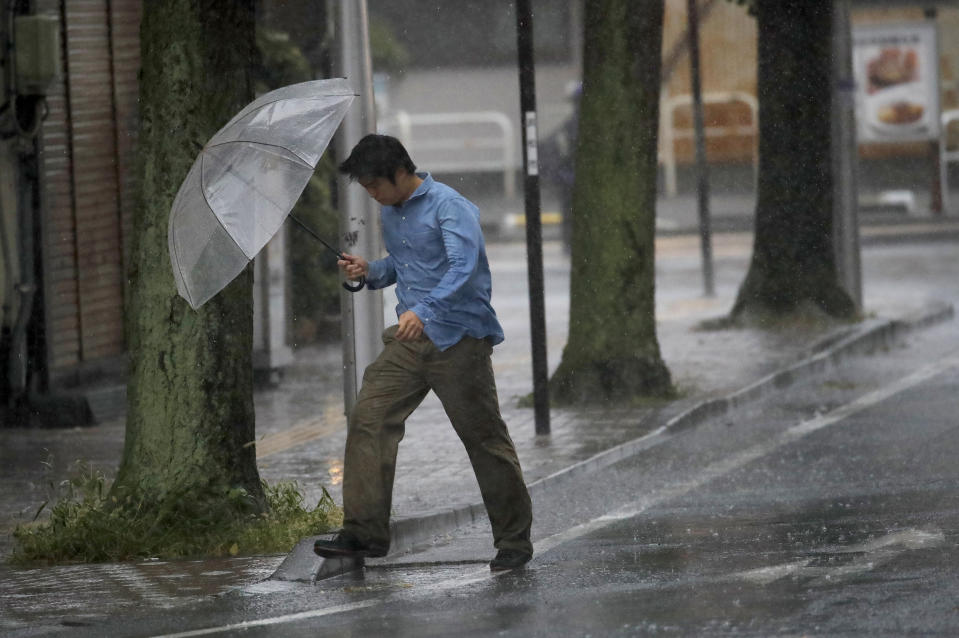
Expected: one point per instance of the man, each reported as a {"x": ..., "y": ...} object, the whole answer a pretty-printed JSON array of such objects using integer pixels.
[
  {"x": 557, "y": 163},
  {"x": 443, "y": 341}
]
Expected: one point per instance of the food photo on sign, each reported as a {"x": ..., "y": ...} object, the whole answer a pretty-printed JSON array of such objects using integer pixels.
[{"x": 897, "y": 82}]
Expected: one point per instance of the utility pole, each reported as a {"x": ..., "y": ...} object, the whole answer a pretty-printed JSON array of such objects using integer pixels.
[
  {"x": 362, "y": 312},
  {"x": 534, "y": 229},
  {"x": 935, "y": 191}
]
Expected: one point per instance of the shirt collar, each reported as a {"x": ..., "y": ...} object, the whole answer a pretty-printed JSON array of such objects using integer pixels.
[{"x": 422, "y": 189}]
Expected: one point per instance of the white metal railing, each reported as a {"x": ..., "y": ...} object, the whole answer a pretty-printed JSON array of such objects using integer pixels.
[
  {"x": 945, "y": 155},
  {"x": 481, "y": 141},
  {"x": 669, "y": 133}
]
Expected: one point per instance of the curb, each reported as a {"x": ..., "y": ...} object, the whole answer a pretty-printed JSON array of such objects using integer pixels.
[
  {"x": 303, "y": 566},
  {"x": 867, "y": 337}
]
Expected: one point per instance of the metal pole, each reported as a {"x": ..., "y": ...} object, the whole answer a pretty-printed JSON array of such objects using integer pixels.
[
  {"x": 935, "y": 190},
  {"x": 845, "y": 157},
  {"x": 702, "y": 169},
  {"x": 534, "y": 230},
  {"x": 362, "y": 312}
]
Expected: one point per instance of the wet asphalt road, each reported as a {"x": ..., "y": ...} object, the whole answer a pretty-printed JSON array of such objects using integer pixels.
[{"x": 829, "y": 509}]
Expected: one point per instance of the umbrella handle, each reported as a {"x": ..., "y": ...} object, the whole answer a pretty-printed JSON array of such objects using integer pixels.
[{"x": 358, "y": 286}]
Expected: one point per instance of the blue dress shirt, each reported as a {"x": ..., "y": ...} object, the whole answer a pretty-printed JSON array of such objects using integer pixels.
[{"x": 437, "y": 259}]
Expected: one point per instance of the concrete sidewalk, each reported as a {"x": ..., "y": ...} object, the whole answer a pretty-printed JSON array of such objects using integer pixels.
[{"x": 301, "y": 428}]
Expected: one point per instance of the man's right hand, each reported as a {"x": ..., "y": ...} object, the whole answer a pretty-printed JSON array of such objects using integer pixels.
[{"x": 353, "y": 266}]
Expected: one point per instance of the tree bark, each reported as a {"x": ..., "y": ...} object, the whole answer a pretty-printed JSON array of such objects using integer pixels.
[
  {"x": 190, "y": 416},
  {"x": 612, "y": 351},
  {"x": 793, "y": 265}
]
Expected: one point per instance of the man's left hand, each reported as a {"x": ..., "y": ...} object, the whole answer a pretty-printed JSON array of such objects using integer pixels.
[{"x": 410, "y": 327}]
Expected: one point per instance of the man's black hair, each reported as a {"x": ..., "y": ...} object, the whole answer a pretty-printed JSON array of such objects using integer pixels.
[{"x": 377, "y": 156}]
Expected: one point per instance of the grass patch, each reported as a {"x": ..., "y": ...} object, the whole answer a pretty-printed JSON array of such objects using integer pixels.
[{"x": 87, "y": 525}]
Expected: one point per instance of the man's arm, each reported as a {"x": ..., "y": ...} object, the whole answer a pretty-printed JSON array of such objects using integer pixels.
[{"x": 379, "y": 273}]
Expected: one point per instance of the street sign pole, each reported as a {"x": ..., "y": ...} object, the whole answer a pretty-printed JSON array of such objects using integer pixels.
[
  {"x": 702, "y": 169},
  {"x": 845, "y": 157},
  {"x": 935, "y": 190},
  {"x": 362, "y": 312},
  {"x": 534, "y": 230}
]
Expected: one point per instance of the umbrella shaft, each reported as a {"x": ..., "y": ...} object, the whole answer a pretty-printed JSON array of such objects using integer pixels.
[{"x": 338, "y": 254}]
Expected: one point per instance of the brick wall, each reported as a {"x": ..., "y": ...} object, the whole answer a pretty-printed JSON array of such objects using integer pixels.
[{"x": 88, "y": 143}]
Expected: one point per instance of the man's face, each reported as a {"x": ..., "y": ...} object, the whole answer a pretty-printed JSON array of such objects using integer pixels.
[{"x": 385, "y": 192}]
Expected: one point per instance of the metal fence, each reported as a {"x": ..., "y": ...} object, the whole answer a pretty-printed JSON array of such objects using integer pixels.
[
  {"x": 467, "y": 142},
  {"x": 946, "y": 155}
]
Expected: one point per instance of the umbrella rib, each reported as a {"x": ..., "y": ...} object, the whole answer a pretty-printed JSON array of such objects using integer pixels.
[
  {"x": 271, "y": 102},
  {"x": 176, "y": 257},
  {"x": 215, "y": 216},
  {"x": 259, "y": 143},
  {"x": 310, "y": 97}
]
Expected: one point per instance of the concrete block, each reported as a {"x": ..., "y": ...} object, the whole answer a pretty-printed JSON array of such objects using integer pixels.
[{"x": 302, "y": 565}]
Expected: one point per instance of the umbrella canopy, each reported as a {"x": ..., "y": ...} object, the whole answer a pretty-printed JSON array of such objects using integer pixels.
[{"x": 245, "y": 181}]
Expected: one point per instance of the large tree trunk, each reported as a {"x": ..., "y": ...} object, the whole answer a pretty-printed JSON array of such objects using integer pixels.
[
  {"x": 190, "y": 417},
  {"x": 612, "y": 351},
  {"x": 793, "y": 265}
]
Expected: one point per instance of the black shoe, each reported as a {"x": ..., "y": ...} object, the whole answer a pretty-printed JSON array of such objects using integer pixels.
[
  {"x": 345, "y": 545},
  {"x": 507, "y": 559}
]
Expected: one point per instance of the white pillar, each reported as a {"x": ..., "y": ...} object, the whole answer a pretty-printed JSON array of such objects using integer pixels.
[
  {"x": 362, "y": 312},
  {"x": 271, "y": 352},
  {"x": 845, "y": 157}
]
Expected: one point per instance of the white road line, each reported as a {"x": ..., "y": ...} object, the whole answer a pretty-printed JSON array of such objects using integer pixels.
[
  {"x": 772, "y": 573},
  {"x": 874, "y": 553},
  {"x": 712, "y": 472},
  {"x": 134, "y": 580},
  {"x": 276, "y": 620}
]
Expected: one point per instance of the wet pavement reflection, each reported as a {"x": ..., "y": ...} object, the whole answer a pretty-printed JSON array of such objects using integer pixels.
[{"x": 713, "y": 566}]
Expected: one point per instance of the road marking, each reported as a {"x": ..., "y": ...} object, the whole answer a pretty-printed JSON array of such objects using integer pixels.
[
  {"x": 724, "y": 245},
  {"x": 139, "y": 584},
  {"x": 331, "y": 422},
  {"x": 766, "y": 575},
  {"x": 546, "y": 218},
  {"x": 898, "y": 230},
  {"x": 712, "y": 472},
  {"x": 873, "y": 554},
  {"x": 276, "y": 620}
]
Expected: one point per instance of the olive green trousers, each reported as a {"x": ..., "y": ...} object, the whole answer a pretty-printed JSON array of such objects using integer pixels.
[{"x": 393, "y": 386}]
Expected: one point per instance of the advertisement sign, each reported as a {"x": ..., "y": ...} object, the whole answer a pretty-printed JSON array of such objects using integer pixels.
[{"x": 897, "y": 82}]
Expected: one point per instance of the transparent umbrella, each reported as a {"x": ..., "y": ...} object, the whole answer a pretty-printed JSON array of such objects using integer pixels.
[{"x": 245, "y": 181}]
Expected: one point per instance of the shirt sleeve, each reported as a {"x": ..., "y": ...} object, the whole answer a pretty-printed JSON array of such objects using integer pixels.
[
  {"x": 461, "y": 232},
  {"x": 381, "y": 273}
]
